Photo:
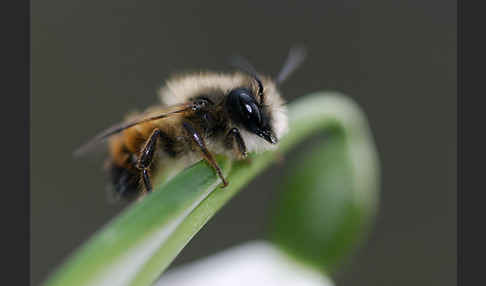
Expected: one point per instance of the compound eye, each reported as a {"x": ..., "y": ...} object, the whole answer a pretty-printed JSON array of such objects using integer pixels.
[
  {"x": 244, "y": 108},
  {"x": 252, "y": 112}
]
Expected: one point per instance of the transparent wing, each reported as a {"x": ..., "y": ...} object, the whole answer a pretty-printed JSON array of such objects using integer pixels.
[{"x": 103, "y": 135}]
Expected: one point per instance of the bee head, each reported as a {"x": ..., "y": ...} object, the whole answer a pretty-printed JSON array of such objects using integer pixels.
[{"x": 246, "y": 111}]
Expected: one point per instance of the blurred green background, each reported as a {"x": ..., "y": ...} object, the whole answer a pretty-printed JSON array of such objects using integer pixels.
[{"x": 94, "y": 61}]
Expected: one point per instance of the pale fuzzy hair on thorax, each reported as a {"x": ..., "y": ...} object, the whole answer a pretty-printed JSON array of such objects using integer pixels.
[{"x": 181, "y": 88}]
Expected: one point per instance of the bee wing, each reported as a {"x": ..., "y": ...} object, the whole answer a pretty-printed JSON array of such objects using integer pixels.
[{"x": 166, "y": 112}]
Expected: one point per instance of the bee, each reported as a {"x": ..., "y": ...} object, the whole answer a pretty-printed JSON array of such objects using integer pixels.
[{"x": 200, "y": 115}]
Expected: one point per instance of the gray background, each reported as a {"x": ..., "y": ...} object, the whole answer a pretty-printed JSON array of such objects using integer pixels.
[{"x": 92, "y": 61}]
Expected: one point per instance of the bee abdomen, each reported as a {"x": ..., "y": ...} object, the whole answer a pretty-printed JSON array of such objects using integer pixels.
[
  {"x": 170, "y": 145},
  {"x": 125, "y": 181}
]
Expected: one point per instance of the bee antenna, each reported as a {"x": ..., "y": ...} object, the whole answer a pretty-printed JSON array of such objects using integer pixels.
[
  {"x": 243, "y": 64},
  {"x": 297, "y": 55}
]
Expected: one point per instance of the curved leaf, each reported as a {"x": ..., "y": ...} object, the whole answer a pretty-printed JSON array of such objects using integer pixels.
[{"x": 139, "y": 244}]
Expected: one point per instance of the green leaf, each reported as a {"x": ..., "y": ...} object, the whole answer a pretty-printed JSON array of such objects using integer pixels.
[
  {"x": 141, "y": 242},
  {"x": 320, "y": 215}
]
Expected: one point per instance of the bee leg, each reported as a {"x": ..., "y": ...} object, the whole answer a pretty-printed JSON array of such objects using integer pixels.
[
  {"x": 235, "y": 136},
  {"x": 146, "y": 180},
  {"x": 146, "y": 157},
  {"x": 196, "y": 138}
]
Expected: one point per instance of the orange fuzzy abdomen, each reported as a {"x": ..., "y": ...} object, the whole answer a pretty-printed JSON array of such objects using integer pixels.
[
  {"x": 130, "y": 141},
  {"x": 134, "y": 138}
]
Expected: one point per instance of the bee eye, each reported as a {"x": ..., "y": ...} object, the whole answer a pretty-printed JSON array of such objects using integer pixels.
[
  {"x": 252, "y": 113},
  {"x": 243, "y": 108}
]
